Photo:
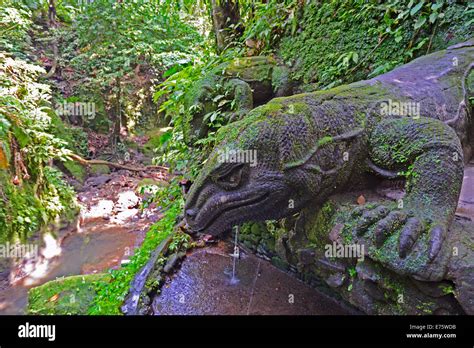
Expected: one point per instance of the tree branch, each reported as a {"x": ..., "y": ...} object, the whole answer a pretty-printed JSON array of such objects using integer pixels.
[{"x": 85, "y": 162}]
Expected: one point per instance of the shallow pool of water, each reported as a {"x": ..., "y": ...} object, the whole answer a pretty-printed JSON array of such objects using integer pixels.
[{"x": 203, "y": 285}]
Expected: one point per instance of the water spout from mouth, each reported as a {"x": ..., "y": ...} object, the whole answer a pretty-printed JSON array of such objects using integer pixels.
[{"x": 234, "y": 280}]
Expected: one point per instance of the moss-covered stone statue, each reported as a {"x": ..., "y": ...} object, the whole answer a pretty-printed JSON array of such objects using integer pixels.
[
  {"x": 295, "y": 154},
  {"x": 247, "y": 81}
]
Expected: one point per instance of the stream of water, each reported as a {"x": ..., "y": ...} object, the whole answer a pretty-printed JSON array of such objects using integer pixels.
[{"x": 111, "y": 228}]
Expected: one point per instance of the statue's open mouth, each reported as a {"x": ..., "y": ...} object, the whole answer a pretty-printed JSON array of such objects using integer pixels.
[{"x": 253, "y": 200}]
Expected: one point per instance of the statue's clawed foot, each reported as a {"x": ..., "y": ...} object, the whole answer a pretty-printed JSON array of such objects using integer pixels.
[{"x": 386, "y": 221}]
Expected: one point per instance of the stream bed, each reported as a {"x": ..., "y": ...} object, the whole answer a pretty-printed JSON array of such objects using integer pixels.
[{"x": 108, "y": 230}]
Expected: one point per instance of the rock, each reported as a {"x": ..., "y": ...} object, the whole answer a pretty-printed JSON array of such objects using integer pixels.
[
  {"x": 263, "y": 256},
  {"x": 127, "y": 200},
  {"x": 100, "y": 169},
  {"x": 280, "y": 246},
  {"x": 306, "y": 256},
  {"x": 392, "y": 193},
  {"x": 366, "y": 271},
  {"x": 373, "y": 288},
  {"x": 134, "y": 301},
  {"x": 374, "y": 291},
  {"x": 434, "y": 289},
  {"x": 249, "y": 245},
  {"x": 209, "y": 239},
  {"x": 98, "y": 180},
  {"x": 461, "y": 265},
  {"x": 335, "y": 234},
  {"x": 171, "y": 263},
  {"x": 125, "y": 215},
  {"x": 76, "y": 184},
  {"x": 336, "y": 280},
  {"x": 466, "y": 200},
  {"x": 279, "y": 263},
  {"x": 103, "y": 208},
  {"x": 54, "y": 297},
  {"x": 263, "y": 251},
  {"x": 249, "y": 81}
]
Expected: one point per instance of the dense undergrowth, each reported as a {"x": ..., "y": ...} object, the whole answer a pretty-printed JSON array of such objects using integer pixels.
[
  {"x": 345, "y": 41},
  {"x": 32, "y": 192}
]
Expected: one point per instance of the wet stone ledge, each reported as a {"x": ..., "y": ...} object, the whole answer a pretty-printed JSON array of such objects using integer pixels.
[{"x": 374, "y": 284}]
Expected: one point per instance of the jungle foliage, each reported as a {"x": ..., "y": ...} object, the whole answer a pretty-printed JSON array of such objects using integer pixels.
[{"x": 32, "y": 192}]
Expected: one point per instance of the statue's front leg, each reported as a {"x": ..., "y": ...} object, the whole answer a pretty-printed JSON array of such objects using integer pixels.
[{"x": 428, "y": 153}]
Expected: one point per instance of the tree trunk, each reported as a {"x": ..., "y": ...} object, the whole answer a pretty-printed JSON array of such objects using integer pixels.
[
  {"x": 52, "y": 13},
  {"x": 225, "y": 20},
  {"x": 117, "y": 117}
]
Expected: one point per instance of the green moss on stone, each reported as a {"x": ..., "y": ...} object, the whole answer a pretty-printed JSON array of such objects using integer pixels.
[
  {"x": 78, "y": 171},
  {"x": 99, "y": 169},
  {"x": 70, "y": 295},
  {"x": 322, "y": 225}
]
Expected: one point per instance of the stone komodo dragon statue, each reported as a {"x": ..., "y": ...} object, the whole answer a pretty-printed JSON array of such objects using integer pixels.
[{"x": 311, "y": 146}]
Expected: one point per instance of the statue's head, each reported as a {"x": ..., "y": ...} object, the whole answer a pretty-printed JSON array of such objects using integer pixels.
[{"x": 245, "y": 177}]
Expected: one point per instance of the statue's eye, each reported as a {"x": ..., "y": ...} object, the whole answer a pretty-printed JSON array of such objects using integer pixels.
[{"x": 231, "y": 179}]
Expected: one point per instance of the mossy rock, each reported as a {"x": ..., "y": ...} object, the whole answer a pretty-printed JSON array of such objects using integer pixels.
[
  {"x": 70, "y": 295},
  {"x": 99, "y": 169},
  {"x": 279, "y": 263},
  {"x": 247, "y": 81},
  {"x": 321, "y": 226},
  {"x": 78, "y": 171}
]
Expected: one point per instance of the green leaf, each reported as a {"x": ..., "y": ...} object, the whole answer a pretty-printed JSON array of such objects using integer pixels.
[
  {"x": 222, "y": 103},
  {"x": 420, "y": 22},
  {"x": 171, "y": 71},
  {"x": 433, "y": 17},
  {"x": 421, "y": 43},
  {"x": 415, "y": 9},
  {"x": 355, "y": 57},
  {"x": 436, "y": 6},
  {"x": 217, "y": 98},
  {"x": 165, "y": 137}
]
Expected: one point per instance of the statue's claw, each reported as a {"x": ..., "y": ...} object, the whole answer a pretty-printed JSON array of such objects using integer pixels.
[
  {"x": 387, "y": 225},
  {"x": 438, "y": 234},
  {"x": 369, "y": 217},
  {"x": 386, "y": 222},
  {"x": 413, "y": 229},
  {"x": 409, "y": 235}
]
